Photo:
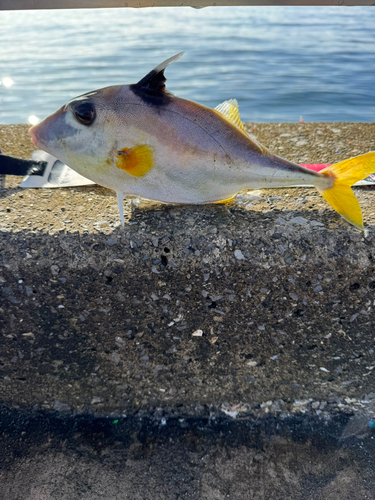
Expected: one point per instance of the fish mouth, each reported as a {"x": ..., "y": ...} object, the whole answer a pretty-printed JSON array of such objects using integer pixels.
[{"x": 33, "y": 134}]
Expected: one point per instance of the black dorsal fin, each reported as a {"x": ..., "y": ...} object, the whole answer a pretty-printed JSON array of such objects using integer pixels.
[{"x": 154, "y": 82}]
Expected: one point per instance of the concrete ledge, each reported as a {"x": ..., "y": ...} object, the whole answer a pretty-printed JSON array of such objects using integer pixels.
[
  {"x": 99, "y": 322},
  {"x": 105, "y": 324}
]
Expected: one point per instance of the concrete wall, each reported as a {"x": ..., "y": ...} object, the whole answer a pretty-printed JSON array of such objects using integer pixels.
[{"x": 107, "y": 392}]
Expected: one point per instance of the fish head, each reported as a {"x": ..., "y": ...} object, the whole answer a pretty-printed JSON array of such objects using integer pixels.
[
  {"x": 92, "y": 134},
  {"x": 81, "y": 133}
]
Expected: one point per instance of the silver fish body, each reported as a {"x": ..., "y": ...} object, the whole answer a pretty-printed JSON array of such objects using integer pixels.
[{"x": 141, "y": 140}]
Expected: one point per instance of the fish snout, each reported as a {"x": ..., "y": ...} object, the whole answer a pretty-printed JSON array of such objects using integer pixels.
[
  {"x": 33, "y": 134},
  {"x": 48, "y": 130}
]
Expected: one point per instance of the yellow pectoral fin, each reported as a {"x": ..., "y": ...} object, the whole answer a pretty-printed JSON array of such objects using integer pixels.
[{"x": 135, "y": 161}]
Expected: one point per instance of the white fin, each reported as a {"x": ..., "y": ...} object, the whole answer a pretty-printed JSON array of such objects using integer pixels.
[
  {"x": 229, "y": 109},
  {"x": 120, "y": 202}
]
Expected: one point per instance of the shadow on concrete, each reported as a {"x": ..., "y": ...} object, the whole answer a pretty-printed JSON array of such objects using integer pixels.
[{"x": 55, "y": 456}]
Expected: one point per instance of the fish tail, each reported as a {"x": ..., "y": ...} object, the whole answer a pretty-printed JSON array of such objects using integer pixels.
[{"x": 343, "y": 175}]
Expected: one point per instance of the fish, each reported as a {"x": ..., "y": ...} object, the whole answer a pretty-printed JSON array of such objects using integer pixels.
[{"x": 142, "y": 140}]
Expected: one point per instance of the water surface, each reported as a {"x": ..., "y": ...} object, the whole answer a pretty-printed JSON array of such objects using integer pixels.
[{"x": 280, "y": 63}]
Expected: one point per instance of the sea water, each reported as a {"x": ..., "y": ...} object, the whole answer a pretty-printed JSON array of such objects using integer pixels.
[{"x": 280, "y": 63}]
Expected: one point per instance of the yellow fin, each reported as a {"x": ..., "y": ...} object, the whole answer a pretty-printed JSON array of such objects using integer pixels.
[
  {"x": 344, "y": 175},
  {"x": 227, "y": 200},
  {"x": 229, "y": 109},
  {"x": 135, "y": 161}
]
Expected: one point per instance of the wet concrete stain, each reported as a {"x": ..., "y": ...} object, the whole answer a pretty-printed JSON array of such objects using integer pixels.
[{"x": 156, "y": 457}]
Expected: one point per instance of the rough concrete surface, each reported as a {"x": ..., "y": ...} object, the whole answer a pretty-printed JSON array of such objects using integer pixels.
[{"x": 222, "y": 351}]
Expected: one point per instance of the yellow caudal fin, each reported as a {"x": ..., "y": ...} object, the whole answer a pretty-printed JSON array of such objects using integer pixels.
[{"x": 343, "y": 176}]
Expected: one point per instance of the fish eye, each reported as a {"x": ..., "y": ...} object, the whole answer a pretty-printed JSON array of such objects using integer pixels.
[{"x": 85, "y": 113}]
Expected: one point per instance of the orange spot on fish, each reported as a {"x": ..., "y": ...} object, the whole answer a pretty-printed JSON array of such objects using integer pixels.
[{"x": 135, "y": 161}]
